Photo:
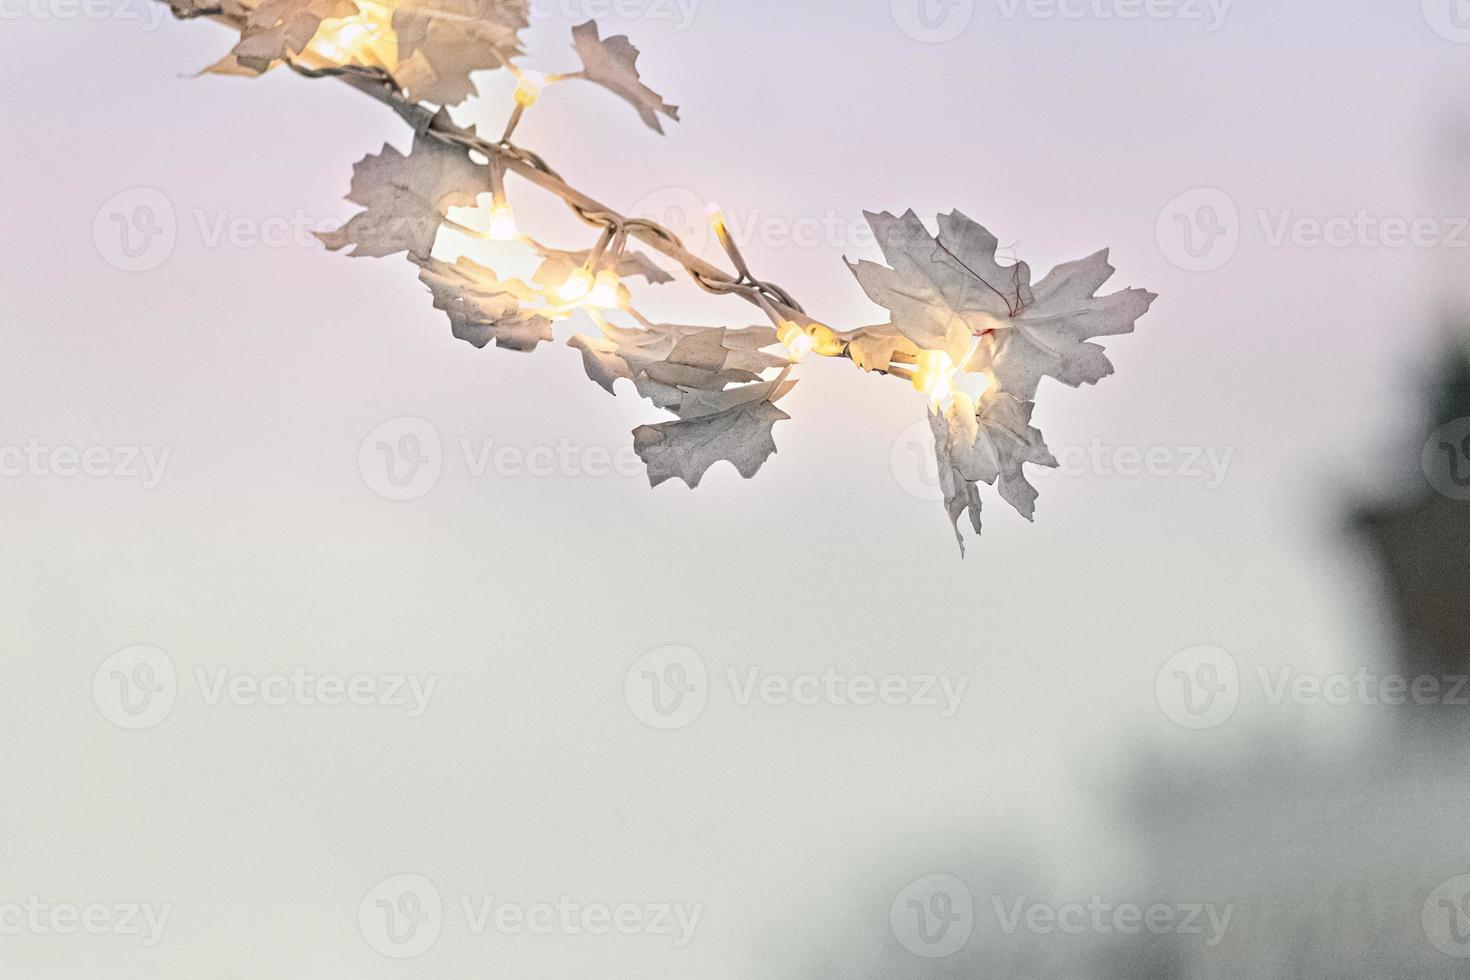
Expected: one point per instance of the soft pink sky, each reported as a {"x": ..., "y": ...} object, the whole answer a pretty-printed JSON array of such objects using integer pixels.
[{"x": 263, "y": 368}]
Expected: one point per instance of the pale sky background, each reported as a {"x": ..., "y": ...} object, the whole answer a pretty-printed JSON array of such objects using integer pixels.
[{"x": 262, "y": 549}]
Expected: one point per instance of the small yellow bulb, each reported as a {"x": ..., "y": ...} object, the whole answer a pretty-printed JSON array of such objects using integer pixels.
[
  {"x": 606, "y": 290},
  {"x": 825, "y": 341},
  {"x": 529, "y": 89},
  {"x": 716, "y": 217},
  {"x": 795, "y": 339},
  {"x": 503, "y": 223},
  {"x": 934, "y": 374},
  {"x": 347, "y": 40},
  {"x": 577, "y": 286}
]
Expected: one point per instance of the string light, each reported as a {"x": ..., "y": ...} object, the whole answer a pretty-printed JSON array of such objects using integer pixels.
[
  {"x": 577, "y": 286},
  {"x": 606, "y": 290},
  {"x": 503, "y": 223},
  {"x": 825, "y": 341},
  {"x": 354, "y": 39},
  {"x": 716, "y": 218},
  {"x": 934, "y": 375},
  {"x": 531, "y": 84},
  {"x": 796, "y": 340}
]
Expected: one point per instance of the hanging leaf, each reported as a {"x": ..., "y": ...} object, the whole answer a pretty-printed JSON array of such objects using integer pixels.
[
  {"x": 407, "y": 199},
  {"x": 944, "y": 292},
  {"x": 690, "y": 371},
  {"x": 1049, "y": 338},
  {"x": 613, "y": 64},
  {"x": 482, "y": 309},
  {"x": 733, "y": 426},
  {"x": 667, "y": 362},
  {"x": 989, "y": 443},
  {"x": 630, "y": 265},
  {"x": 441, "y": 42},
  {"x": 278, "y": 29}
]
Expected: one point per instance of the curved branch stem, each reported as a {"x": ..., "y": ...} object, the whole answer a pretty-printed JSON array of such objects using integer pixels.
[{"x": 379, "y": 84}]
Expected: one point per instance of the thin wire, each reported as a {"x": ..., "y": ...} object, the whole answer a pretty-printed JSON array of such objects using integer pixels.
[{"x": 428, "y": 123}]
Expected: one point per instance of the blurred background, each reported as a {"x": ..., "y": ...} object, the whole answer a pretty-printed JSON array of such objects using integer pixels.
[{"x": 1203, "y": 719}]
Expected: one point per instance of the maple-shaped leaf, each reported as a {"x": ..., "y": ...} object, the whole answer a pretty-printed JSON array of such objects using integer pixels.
[
  {"x": 482, "y": 309},
  {"x": 613, "y": 64},
  {"x": 407, "y": 198},
  {"x": 669, "y": 362},
  {"x": 629, "y": 265},
  {"x": 279, "y": 29},
  {"x": 1049, "y": 338},
  {"x": 987, "y": 443},
  {"x": 872, "y": 348},
  {"x": 440, "y": 42},
  {"x": 946, "y": 291},
  {"x": 733, "y": 426}
]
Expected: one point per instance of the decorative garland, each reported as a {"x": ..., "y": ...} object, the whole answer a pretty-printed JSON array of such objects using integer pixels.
[{"x": 974, "y": 335}]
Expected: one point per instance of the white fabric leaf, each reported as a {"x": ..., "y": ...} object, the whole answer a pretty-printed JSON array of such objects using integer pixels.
[
  {"x": 441, "y": 42},
  {"x": 407, "y": 199},
  {"x": 277, "y": 29},
  {"x": 613, "y": 64},
  {"x": 482, "y": 309},
  {"x": 740, "y": 434},
  {"x": 945, "y": 292},
  {"x": 987, "y": 443}
]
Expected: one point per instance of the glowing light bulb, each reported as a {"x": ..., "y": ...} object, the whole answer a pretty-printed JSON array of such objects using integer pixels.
[
  {"x": 794, "y": 339},
  {"x": 348, "y": 40},
  {"x": 529, "y": 89},
  {"x": 606, "y": 289},
  {"x": 577, "y": 286},
  {"x": 716, "y": 217},
  {"x": 503, "y": 223},
  {"x": 826, "y": 342},
  {"x": 934, "y": 375}
]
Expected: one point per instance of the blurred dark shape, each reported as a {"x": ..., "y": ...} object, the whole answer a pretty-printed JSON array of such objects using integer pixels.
[{"x": 1422, "y": 544}]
